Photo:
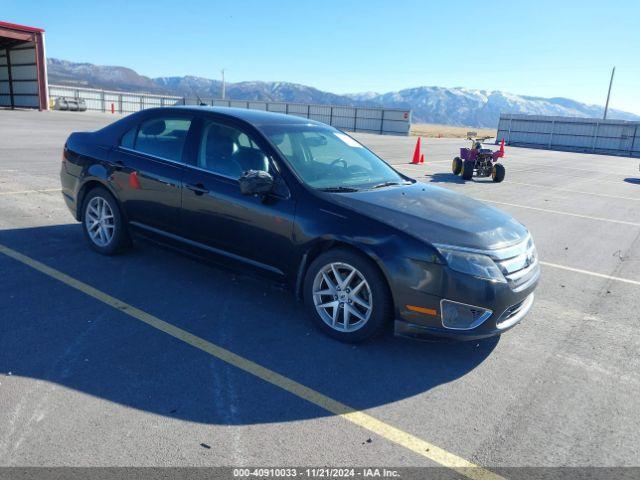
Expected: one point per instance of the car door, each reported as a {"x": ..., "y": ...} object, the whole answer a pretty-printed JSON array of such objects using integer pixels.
[
  {"x": 149, "y": 170},
  {"x": 253, "y": 229}
]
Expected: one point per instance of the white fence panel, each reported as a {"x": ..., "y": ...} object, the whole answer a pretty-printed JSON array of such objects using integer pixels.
[
  {"x": 277, "y": 107},
  {"x": 359, "y": 119},
  {"x": 592, "y": 135}
]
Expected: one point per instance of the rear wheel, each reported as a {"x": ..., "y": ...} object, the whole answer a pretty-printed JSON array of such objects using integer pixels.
[
  {"x": 498, "y": 173},
  {"x": 102, "y": 222},
  {"x": 347, "y": 296},
  {"x": 456, "y": 166},
  {"x": 467, "y": 169}
]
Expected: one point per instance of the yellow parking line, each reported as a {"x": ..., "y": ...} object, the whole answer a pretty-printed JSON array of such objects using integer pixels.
[
  {"x": 389, "y": 432},
  {"x": 44, "y": 190}
]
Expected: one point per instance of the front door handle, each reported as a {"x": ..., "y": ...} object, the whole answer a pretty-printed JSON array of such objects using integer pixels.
[{"x": 198, "y": 189}]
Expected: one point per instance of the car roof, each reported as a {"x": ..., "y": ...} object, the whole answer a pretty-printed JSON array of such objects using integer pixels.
[{"x": 256, "y": 118}]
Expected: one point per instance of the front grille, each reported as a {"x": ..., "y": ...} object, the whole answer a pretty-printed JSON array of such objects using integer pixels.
[
  {"x": 514, "y": 313},
  {"x": 509, "y": 312},
  {"x": 519, "y": 263}
]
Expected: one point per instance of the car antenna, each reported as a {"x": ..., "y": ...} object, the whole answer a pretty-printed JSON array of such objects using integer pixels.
[{"x": 200, "y": 102}]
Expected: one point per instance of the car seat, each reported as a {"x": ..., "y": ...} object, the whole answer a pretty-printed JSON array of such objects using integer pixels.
[
  {"x": 152, "y": 141},
  {"x": 219, "y": 156}
]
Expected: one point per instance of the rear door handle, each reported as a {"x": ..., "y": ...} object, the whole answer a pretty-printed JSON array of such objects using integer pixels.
[{"x": 198, "y": 189}]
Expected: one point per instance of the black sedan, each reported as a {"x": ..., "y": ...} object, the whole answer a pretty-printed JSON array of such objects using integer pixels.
[{"x": 308, "y": 205}]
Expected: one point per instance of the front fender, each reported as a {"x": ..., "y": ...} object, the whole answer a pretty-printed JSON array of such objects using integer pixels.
[
  {"x": 369, "y": 247},
  {"x": 403, "y": 261}
]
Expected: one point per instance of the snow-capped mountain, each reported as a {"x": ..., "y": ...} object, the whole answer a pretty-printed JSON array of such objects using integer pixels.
[
  {"x": 482, "y": 108},
  {"x": 363, "y": 96},
  {"x": 267, "y": 91},
  {"x": 450, "y": 106},
  {"x": 63, "y": 72}
]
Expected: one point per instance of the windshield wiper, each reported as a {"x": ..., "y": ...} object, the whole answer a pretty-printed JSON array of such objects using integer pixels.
[
  {"x": 338, "y": 189},
  {"x": 389, "y": 184}
]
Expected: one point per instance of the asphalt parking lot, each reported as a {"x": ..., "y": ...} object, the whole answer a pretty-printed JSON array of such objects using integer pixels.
[{"x": 85, "y": 384}]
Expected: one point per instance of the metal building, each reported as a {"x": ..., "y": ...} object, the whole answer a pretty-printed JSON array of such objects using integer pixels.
[
  {"x": 590, "y": 135},
  {"x": 23, "y": 67}
]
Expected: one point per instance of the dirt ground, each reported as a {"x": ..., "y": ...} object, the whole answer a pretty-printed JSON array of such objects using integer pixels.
[{"x": 448, "y": 131}]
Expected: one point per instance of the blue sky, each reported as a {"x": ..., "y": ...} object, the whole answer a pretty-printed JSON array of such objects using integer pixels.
[{"x": 543, "y": 48}]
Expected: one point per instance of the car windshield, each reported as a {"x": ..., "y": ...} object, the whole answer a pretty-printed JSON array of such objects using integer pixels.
[{"x": 328, "y": 159}]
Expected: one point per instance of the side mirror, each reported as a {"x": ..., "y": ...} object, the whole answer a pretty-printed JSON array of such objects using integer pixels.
[{"x": 256, "y": 182}]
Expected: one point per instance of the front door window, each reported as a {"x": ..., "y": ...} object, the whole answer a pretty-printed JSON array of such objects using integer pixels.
[{"x": 227, "y": 151}]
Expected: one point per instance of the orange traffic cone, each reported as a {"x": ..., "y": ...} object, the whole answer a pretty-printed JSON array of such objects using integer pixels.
[
  {"x": 416, "y": 153},
  {"x": 502, "y": 148},
  {"x": 422, "y": 158}
]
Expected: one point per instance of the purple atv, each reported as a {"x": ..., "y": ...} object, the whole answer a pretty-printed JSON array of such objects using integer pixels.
[{"x": 479, "y": 161}]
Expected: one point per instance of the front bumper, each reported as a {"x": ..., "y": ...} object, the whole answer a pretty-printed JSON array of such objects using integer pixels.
[
  {"x": 508, "y": 306},
  {"x": 494, "y": 325}
]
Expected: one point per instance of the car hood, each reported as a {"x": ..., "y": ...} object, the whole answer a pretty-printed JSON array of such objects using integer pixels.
[{"x": 436, "y": 215}]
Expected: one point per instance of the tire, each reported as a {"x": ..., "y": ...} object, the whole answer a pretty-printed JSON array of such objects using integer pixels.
[
  {"x": 99, "y": 205},
  {"x": 467, "y": 169},
  {"x": 456, "y": 166},
  {"x": 374, "y": 293},
  {"x": 498, "y": 173}
]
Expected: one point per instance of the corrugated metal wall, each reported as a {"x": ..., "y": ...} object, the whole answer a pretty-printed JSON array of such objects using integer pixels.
[
  {"x": 592, "y": 135},
  {"x": 5, "y": 100},
  {"x": 19, "y": 76},
  {"x": 356, "y": 119}
]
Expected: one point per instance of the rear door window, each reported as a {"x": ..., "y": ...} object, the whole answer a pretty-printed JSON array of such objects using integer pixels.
[{"x": 162, "y": 137}]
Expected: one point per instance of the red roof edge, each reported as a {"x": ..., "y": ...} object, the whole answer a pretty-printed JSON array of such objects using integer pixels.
[{"x": 21, "y": 28}]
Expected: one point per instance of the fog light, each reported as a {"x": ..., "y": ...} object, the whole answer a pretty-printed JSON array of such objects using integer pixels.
[{"x": 460, "y": 316}]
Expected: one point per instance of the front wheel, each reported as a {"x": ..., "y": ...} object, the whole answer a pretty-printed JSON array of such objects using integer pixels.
[
  {"x": 467, "y": 169},
  {"x": 498, "y": 172},
  {"x": 456, "y": 166},
  {"x": 347, "y": 296},
  {"x": 102, "y": 222}
]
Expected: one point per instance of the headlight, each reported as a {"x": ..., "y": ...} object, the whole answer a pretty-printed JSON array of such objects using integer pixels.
[{"x": 474, "y": 264}]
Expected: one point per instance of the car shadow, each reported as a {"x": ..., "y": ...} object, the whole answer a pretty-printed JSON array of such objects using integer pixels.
[
  {"x": 446, "y": 178},
  {"x": 635, "y": 181},
  {"x": 52, "y": 332}
]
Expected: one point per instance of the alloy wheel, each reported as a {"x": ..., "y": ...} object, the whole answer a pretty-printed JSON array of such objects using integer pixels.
[
  {"x": 342, "y": 297},
  {"x": 100, "y": 221}
]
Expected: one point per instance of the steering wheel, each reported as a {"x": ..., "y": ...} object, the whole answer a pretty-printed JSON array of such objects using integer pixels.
[{"x": 339, "y": 160}]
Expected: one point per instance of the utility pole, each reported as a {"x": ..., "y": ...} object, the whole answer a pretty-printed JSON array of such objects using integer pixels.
[
  {"x": 224, "y": 85},
  {"x": 606, "y": 107}
]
